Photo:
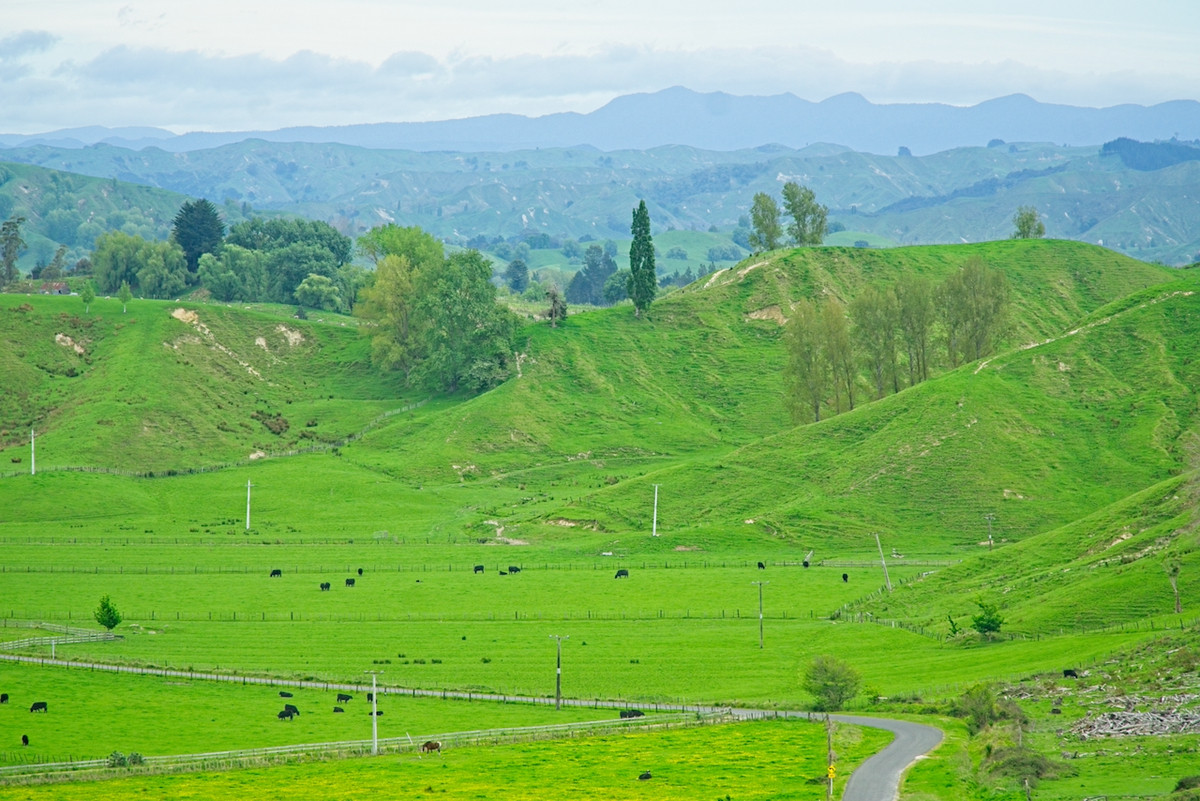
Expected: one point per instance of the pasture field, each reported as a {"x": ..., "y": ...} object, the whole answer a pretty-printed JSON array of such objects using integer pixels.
[
  {"x": 749, "y": 760},
  {"x": 93, "y": 713}
]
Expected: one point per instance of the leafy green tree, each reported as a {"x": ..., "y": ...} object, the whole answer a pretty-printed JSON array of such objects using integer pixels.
[
  {"x": 558, "y": 306},
  {"x": 989, "y": 620},
  {"x": 197, "y": 229},
  {"x": 809, "y": 218},
  {"x": 616, "y": 288},
  {"x": 764, "y": 220},
  {"x": 124, "y": 294},
  {"x": 973, "y": 307},
  {"x": 163, "y": 272},
  {"x": 831, "y": 682},
  {"x": 806, "y": 376},
  {"x": 389, "y": 306},
  {"x": 643, "y": 283},
  {"x": 587, "y": 285},
  {"x": 87, "y": 295},
  {"x": 11, "y": 245},
  {"x": 835, "y": 329},
  {"x": 467, "y": 338},
  {"x": 413, "y": 243},
  {"x": 117, "y": 259},
  {"x": 915, "y": 317},
  {"x": 1028, "y": 224},
  {"x": 319, "y": 292},
  {"x": 106, "y": 614},
  {"x": 873, "y": 314},
  {"x": 516, "y": 275}
]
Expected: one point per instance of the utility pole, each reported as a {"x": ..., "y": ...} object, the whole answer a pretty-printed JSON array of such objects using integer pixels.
[
  {"x": 374, "y": 715},
  {"x": 654, "y": 526},
  {"x": 558, "y": 670},
  {"x": 248, "y": 504},
  {"x": 831, "y": 772},
  {"x": 882, "y": 562},
  {"x": 760, "y": 612},
  {"x": 989, "y": 517},
  {"x": 32, "y": 455}
]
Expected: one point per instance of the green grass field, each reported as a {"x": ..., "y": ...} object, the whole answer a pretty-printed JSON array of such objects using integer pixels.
[{"x": 1077, "y": 439}]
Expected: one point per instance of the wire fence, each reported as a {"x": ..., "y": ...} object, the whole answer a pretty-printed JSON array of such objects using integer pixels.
[{"x": 346, "y": 748}]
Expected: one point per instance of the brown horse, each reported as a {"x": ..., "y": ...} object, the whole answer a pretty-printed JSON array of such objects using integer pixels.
[{"x": 431, "y": 745}]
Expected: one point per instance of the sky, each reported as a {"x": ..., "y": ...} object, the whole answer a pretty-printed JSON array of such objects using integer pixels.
[{"x": 231, "y": 65}]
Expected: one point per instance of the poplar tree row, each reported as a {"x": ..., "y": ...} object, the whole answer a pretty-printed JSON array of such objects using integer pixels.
[{"x": 885, "y": 339}]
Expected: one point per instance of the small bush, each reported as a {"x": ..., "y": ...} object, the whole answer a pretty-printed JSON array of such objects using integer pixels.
[
  {"x": 117, "y": 760},
  {"x": 1187, "y": 783},
  {"x": 135, "y": 758}
]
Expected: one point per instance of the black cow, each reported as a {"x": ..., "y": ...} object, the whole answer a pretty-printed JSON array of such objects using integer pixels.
[
  {"x": 24, "y": 739},
  {"x": 277, "y": 573},
  {"x": 325, "y": 586},
  {"x": 1069, "y": 673},
  {"x": 761, "y": 566},
  {"x": 503, "y": 573},
  {"x": 378, "y": 712},
  {"x": 360, "y": 571},
  {"x": 286, "y": 714},
  {"x": 845, "y": 578},
  {"x": 622, "y": 573},
  {"x": 1055, "y": 711},
  {"x": 343, "y": 697},
  {"x": 290, "y": 708},
  {"x": 513, "y": 569},
  {"x": 478, "y": 568},
  {"x": 632, "y": 713},
  {"x": 284, "y": 694},
  {"x": 338, "y": 709},
  {"x": 806, "y": 563},
  {"x": 39, "y": 706},
  {"x": 349, "y": 582},
  {"x": 3, "y": 698},
  {"x": 644, "y": 776}
]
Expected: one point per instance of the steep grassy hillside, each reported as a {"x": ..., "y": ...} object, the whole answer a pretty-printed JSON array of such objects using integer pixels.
[
  {"x": 167, "y": 387},
  {"x": 703, "y": 372}
]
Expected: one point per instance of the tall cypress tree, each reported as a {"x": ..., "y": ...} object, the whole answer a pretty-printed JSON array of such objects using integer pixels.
[{"x": 642, "y": 282}]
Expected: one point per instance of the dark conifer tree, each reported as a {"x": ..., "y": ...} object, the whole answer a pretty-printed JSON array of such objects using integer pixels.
[{"x": 198, "y": 230}]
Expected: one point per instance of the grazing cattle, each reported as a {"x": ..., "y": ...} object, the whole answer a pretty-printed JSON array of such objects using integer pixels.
[
  {"x": 24, "y": 739},
  {"x": 3, "y": 698},
  {"x": 343, "y": 697},
  {"x": 632, "y": 713},
  {"x": 360, "y": 571},
  {"x": 338, "y": 709},
  {"x": 1068, "y": 673},
  {"x": 622, "y": 573},
  {"x": 503, "y": 573},
  {"x": 286, "y": 714},
  {"x": 326, "y": 586},
  {"x": 806, "y": 563},
  {"x": 39, "y": 706},
  {"x": 277, "y": 573},
  {"x": 845, "y": 578},
  {"x": 478, "y": 568},
  {"x": 349, "y": 582},
  {"x": 290, "y": 708},
  {"x": 377, "y": 712},
  {"x": 513, "y": 569},
  {"x": 431, "y": 745},
  {"x": 1055, "y": 711},
  {"x": 370, "y": 696},
  {"x": 644, "y": 776},
  {"x": 761, "y": 566},
  {"x": 284, "y": 694}
]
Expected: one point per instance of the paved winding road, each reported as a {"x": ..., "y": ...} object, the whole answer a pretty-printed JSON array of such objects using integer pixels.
[{"x": 877, "y": 779}]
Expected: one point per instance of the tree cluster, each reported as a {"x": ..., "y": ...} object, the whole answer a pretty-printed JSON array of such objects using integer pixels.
[
  {"x": 587, "y": 286},
  {"x": 434, "y": 317},
  {"x": 809, "y": 219},
  {"x": 886, "y": 339}
]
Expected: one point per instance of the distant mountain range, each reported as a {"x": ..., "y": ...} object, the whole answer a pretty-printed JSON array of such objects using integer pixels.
[{"x": 711, "y": 121}]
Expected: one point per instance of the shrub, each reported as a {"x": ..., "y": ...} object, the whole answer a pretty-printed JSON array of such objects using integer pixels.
[
  {"x": 117, "y": 760},
  {"x": 831, "y": 682},
  {"x": 1187, "y": 783},
  {"x": 135, "y": 758}
]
